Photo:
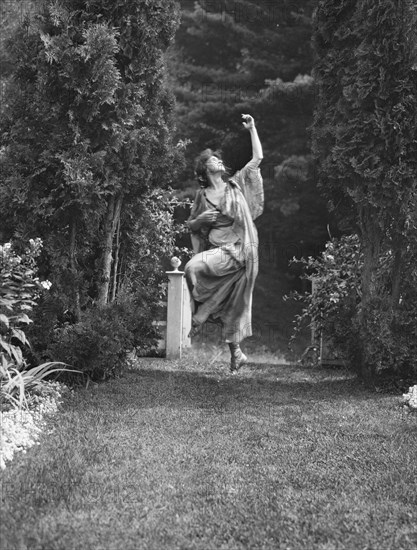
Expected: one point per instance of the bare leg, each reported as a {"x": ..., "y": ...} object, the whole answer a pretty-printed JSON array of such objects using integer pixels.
[{"x": 237, "y": 357}]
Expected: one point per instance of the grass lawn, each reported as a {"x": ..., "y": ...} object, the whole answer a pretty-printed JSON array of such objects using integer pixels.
[{"x": 182, "y": 455}]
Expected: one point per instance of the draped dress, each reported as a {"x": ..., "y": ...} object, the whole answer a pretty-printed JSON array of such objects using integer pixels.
[{"x": 228, "y": 251}]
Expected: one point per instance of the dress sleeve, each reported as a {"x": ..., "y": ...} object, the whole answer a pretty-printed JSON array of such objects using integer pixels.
[
  {"x": 198, "y": 238},
  {"x": 249, "y": 179}
]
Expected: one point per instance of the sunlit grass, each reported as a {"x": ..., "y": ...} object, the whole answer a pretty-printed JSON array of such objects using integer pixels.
[{"x": 183, "y": 455}]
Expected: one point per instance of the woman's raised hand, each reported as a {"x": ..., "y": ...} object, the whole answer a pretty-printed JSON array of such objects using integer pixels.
[{"x": 248, "y": 122}]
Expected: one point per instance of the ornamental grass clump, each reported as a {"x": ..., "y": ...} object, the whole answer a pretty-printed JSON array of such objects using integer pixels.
[{"x": 17, "y": 385}]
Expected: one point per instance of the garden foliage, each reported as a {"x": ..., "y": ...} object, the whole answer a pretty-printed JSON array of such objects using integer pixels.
[
  {"x": 20, "y": 289},
  {"x": 364, "y": 138},
  {"x": 100, "y": 342},
  {"x": 332, "y": 306},
  {"x": 86, "y": 134},
  {"x": 86, "y": 143}
]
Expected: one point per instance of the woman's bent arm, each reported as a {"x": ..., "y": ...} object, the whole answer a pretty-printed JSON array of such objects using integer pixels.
[{"x": 208, "y": 217}]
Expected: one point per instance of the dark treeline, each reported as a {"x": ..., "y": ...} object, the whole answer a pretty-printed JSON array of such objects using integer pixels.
[{"x": 233, "y": 57}]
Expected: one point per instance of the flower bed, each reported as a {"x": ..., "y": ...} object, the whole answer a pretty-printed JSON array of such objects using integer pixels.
[
  {"x": 21, "y": 427},
  {"x": 410, "y": 399}
]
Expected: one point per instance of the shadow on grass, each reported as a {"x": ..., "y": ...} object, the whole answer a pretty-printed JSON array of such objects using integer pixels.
[{"x": 257, "y": 386}]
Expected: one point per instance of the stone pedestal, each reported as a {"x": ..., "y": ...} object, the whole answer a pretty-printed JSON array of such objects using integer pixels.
[{"x": 178, "y": 312}]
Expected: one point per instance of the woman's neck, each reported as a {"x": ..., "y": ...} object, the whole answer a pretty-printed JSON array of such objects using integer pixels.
[{"x": 216, "y": 182}]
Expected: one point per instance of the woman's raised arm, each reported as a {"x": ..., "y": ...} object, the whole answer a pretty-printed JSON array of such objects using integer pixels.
[{"x": 249, "y": 124}]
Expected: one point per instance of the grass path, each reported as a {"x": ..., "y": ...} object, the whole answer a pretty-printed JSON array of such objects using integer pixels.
[{"x": 185, "y": 456}]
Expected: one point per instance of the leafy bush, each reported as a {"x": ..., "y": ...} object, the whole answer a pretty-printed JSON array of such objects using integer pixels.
[
  {"x": 20, "y": 288},
  {"x": 333, "y": 302},
  {"x": 389, "y": 336},
  {"x": 384, "y": 338},
  {"x": 100, "y": 343}
]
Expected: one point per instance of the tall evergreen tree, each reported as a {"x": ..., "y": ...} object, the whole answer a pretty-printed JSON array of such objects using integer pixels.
[
  {"x": 12, "y": 14},
  {"x": 365, "y": 132},
  {"x": 87, "y": 132}
]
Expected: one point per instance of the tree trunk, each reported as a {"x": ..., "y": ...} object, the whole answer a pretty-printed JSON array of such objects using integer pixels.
[
  {"x": 116, "y": 262},
  {"x": 73, "y": 268},
  {"x": 396, "y": 279},
  {"x": 371, "y": 245},
  {"x": 371, "y": 242},
  {"x": 113, "y": 214}
]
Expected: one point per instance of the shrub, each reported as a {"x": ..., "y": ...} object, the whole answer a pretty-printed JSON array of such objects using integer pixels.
[
  {"x": 389, "y": 337},
  {"x": 333, "y": 302},
  {"x": 384, "y": 338},
  {"x": 100, "y": 343}
]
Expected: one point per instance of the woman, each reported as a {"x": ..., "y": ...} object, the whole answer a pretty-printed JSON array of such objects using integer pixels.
[{"x": 221, "y": 275}]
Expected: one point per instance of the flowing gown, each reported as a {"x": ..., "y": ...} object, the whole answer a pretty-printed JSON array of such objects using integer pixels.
[{"x": 228, "y": 252}]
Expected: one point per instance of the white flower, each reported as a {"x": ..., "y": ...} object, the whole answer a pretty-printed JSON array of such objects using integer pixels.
[
  {"x": 21, "y": 428},
  {"x": 410, "y": 398},
  {"x": 46, "y": 284},
  {"x": 5, "y": 248}
]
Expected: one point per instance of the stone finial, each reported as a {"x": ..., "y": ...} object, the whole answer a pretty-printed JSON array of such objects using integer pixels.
[{"x": 175, "y": 262}]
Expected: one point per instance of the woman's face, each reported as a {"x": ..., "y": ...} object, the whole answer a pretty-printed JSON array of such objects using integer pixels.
[{"x": 214, "y": 164}]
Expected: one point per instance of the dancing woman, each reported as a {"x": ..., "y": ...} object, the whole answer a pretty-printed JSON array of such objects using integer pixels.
[{"x": 221, "y": 275}]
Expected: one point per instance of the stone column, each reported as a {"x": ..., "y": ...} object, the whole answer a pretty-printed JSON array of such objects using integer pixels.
[{"x": 175, "y": 309}]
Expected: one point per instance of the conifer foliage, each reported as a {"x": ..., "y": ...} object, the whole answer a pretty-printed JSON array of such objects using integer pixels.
[
  {"x": 87, "y": 156},
  {"x": 86, "y": 134},
  {"x": 366, "y": 143}
]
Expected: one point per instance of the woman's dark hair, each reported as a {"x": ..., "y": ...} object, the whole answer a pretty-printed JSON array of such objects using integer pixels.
[{"x": 200, "y": 165}]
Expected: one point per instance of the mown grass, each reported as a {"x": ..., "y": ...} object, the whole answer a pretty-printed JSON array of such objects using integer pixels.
[{"x": 181, "y": 455}]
